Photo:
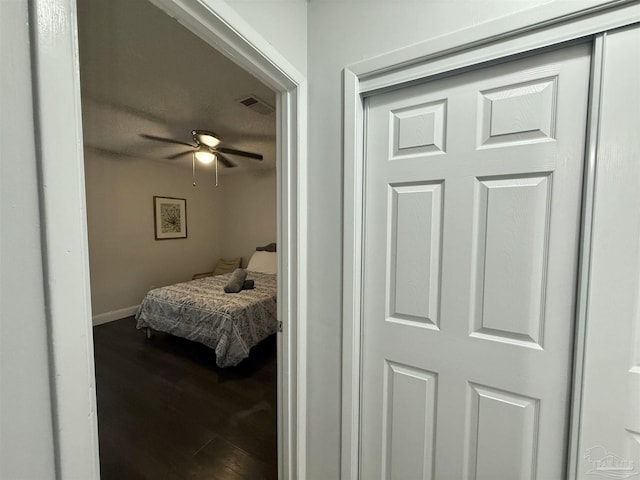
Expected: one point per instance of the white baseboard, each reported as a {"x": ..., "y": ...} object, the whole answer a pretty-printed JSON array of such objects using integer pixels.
[{"x": 114, "y": 315}]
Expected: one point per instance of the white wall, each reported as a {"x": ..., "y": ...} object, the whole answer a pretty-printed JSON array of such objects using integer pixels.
[
  {"x": 282, "y": 23},
  {"x": 125, "y": 258},
  {"x": 249, "y": 213},
  {"x": 26, "y": 434},
  {"x": 341, "y": 33}
]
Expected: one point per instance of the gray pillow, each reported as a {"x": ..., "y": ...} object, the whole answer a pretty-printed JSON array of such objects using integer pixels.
[{"x": 236, "y": 281}]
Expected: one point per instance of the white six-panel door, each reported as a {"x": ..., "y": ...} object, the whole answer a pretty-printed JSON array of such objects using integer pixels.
[{"x": 472, "y": 208}]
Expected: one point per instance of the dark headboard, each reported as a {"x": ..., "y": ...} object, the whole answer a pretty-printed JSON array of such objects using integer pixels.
[{"x": 267, "y": 248}]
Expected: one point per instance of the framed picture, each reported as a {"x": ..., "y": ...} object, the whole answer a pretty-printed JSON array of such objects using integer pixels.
[{"x": 170, "y": 217}]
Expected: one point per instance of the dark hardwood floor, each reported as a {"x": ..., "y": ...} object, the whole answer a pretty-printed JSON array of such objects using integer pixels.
[{"x": 166, "y": 411}]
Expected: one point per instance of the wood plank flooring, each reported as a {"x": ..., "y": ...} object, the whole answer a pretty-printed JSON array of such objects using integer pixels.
[{"x": 166, "y": 411}]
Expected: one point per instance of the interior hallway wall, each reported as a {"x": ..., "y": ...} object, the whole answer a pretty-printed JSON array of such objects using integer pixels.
[{"x": 282, "y": 23}]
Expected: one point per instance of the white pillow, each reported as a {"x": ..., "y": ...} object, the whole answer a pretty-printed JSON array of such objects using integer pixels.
[{"x": 263, "y": 262}]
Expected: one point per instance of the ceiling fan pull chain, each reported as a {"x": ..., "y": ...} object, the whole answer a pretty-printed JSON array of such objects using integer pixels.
[
  {"x": 193, "y": 167},
  {"x": 216, "y": 157}
]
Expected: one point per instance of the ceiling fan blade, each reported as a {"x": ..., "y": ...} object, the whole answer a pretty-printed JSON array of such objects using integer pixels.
[
  {"x": 166, "y": 140},
  {"x": 231, "y": 151},
  {"x": 225, "y": 161},
  {"x": 173, "y": 157}
]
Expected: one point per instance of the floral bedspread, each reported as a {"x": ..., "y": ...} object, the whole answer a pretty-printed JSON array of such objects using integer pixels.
[{"x": 200, "y": 310}]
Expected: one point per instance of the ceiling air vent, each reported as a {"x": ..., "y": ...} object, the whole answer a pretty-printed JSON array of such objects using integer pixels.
[{"x": 256, "y": 104}]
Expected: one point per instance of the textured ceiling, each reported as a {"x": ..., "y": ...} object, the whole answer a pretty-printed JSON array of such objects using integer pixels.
[{"x": 142, "y": 72}]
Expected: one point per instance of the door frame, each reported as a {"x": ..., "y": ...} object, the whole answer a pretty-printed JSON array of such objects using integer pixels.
[
  {"x": 528, "y": 31},
  {"x": 58, "y": 132}
]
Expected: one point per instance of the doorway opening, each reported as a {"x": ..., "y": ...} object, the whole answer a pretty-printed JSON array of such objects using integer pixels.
[
  {"x": 146, "y": 81},
  {"x": 60, "y": 143},
  {"x": 166, "y": 232}
]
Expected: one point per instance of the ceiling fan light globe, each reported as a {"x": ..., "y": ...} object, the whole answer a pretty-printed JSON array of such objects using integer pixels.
[
  {"x": 204, "y": 156},
  {"x": 203, "y": 137},
  {"x": 210, "y": 141}
]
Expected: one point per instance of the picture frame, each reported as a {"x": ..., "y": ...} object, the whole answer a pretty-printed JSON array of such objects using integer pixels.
[{"x": 170, "y": 217}]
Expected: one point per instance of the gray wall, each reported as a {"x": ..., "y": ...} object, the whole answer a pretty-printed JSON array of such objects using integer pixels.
[
  {"x": 125, "y": 258},
  {"x": 249, "y": 213}
]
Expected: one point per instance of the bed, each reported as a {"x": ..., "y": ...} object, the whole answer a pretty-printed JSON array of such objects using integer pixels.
[{"x": 200, "y": 310}]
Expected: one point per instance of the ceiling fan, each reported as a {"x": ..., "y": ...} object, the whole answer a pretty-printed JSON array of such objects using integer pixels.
[{"x": 205, "y": 149}]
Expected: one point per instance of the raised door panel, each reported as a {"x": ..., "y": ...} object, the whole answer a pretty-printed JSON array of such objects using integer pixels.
[
  {"x": 502, "y": 433},
  {"x": 512, "y": 228},
  {"x": 409, "y": 423},
  {"x": 418, "y": 130},
  {"x": 415, "y": 247},
  {"x": 518, "y": 113}
]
